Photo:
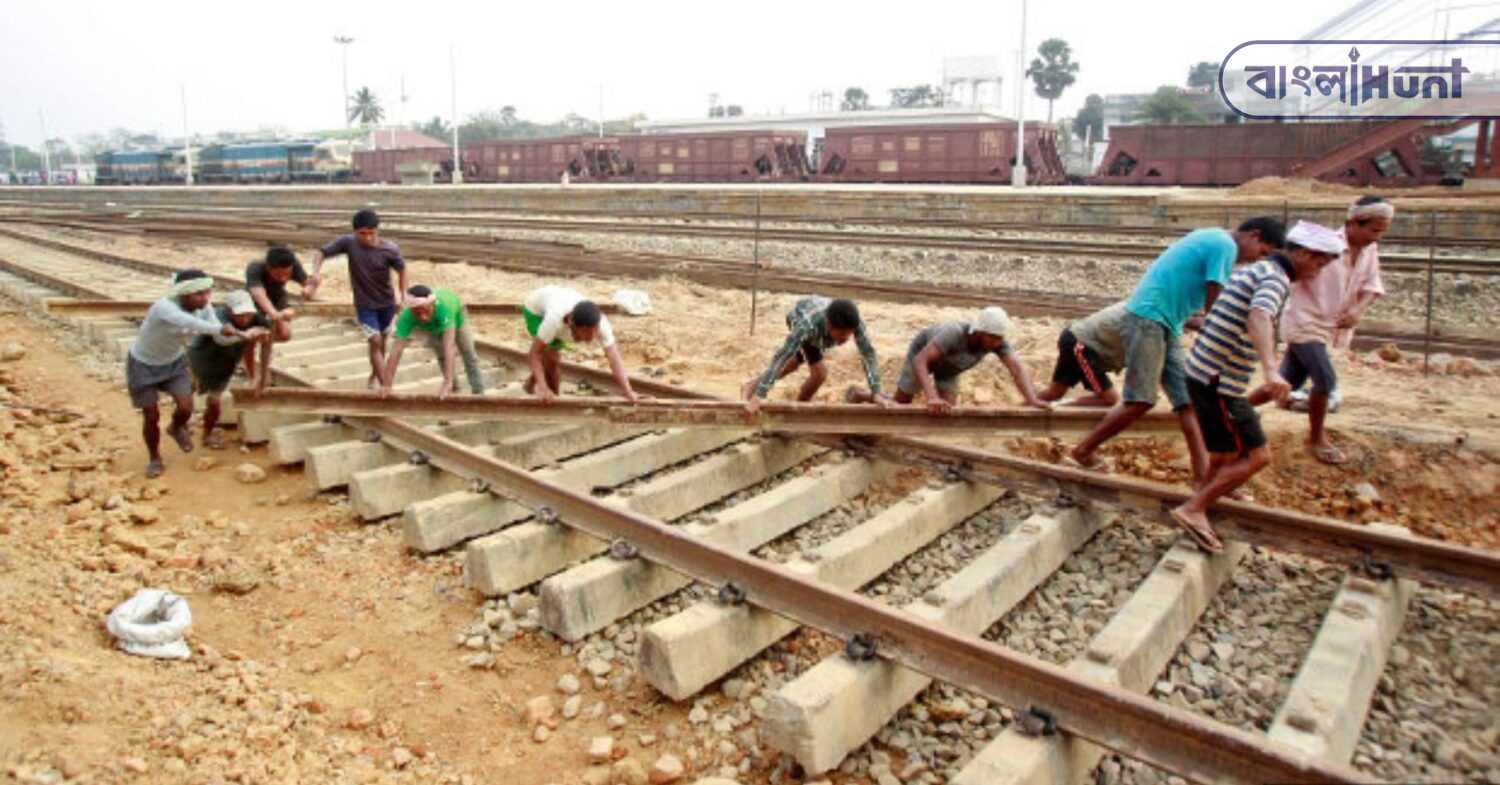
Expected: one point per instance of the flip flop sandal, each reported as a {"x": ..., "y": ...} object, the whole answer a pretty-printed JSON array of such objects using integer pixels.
[
  {"x": 183, "y": 437},
  {"x": 1206, "y": 541},
  {"x": 213, "y": 442},
  {"x": 1328, "y": 454},
  {"x": 154, "y": 469}
]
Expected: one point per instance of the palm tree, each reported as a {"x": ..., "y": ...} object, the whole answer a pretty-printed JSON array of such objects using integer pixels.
[
  {"x": 365, "y": 107},
  {"x": 1053, "y": 72}
]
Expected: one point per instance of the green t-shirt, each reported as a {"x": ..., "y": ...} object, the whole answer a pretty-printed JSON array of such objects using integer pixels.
[{"x": 447, "y": 314}]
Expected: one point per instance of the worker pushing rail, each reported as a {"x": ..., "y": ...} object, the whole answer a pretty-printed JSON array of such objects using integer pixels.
[
  {"x": 371, "y": 261},
  {"x": 157, "y": 361}
]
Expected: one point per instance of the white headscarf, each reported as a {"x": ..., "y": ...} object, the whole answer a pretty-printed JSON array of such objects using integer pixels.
[{"x": 1360, "y": 212}]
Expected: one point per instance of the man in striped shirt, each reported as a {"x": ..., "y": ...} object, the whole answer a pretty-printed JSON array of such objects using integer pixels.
[
  {"x": 1238, "y": 332},
  {"x": 1174, "y": 293}
]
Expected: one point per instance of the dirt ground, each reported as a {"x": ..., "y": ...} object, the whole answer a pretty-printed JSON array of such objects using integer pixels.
[{"x": 324, "y": 652}]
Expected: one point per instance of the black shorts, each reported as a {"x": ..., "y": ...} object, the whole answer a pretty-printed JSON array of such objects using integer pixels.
[
  {"x": 811, "y": 354},
  {"x": 1229, "y": 423},
  {"x": 1305, "y": 361},
  {"x": 1078, "y": 364}
]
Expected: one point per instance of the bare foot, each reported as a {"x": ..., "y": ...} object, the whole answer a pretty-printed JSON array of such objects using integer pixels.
[
  {"x": 182, "y": 436},
  {"x": 1197, "y": 526}
]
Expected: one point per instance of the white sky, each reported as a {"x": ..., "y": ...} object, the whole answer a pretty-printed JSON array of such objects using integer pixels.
[{"x": 92, "y": 66}]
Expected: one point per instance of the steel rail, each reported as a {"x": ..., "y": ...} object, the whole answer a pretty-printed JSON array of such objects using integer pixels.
[
  {"x": 1134, "y": 725},
  {"x": 774, "y": 416},
  {"x": 1419, "y": 558},
  {"x": 50, "y": 281},
  {"x": 318, "y": 308},
  {"x": 741, "y": 275},
  {"x": 660, "y": 224}
]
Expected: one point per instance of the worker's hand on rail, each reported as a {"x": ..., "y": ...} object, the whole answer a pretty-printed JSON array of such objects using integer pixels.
[
  {"x": 544, "y": 394},
  {"x": 752, "y": 409},
  {"x": 883, "y": 401},
  {"x": 1038, "y": 403},
  {"x": 939, "y": 405}
]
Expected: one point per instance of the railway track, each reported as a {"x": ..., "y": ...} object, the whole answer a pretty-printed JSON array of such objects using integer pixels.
[
  {"x": 575, "y": 260},
  {"x": 1395, "y": 262},
  {"x": 516, "y": 497}
]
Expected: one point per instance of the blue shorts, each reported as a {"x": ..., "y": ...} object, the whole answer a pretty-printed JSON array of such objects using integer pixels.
[
  {"x": 1305, "y": 361},
  {"x": 1153, "y": 357},
  {"x": 375, "y": 321}
]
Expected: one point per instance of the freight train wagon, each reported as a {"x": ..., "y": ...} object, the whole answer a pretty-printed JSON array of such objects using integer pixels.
[
  {"x": 526, "y": 160},
  {"x": 1228, "y": 155},
  {"x": 382, "y": 166},
  {"x": 950, "y": 153},
  {"x": 719, "y": 157},
  {"x": 140, "y": 167}
]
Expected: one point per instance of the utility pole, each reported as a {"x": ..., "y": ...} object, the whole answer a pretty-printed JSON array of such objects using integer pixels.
[
  {"x": 344, "y": 41},
  {"x": 1018, "y": 172},
  {"x": 187, "y": 139},
  {"x": 458, "y": 170},
  {"x": 46, "y": 154},
  {"x": 601, "y": 110}
]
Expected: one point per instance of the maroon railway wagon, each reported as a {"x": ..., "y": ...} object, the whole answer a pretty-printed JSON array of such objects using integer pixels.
[
  {"x": 1354, "y": 152},
  {"x": 953, "y": 153},
  {"x": 720, "y": 157},
  {"x": 381, "y": 166},
  {"x": 524, "y": 160}
]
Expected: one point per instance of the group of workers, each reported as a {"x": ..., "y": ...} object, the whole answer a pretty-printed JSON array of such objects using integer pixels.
[{"x": 1231, "y": 287}]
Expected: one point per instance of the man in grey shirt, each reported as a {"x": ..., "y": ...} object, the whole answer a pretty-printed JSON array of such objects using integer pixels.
[
  {"x": 157, "y": 361},
  {"x": 938, "y": 354}
]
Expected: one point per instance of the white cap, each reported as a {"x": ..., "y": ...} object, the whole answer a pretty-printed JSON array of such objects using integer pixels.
[
  {"x": 992, "y": 320},
  {"x": 239, "y": 302},
  {"x": 1315, "y": 237}
]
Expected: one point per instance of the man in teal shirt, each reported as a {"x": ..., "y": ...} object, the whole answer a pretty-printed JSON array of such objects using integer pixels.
[
  {"x": 439, "y": 314},
  {"x": 1177, "y": 289}
]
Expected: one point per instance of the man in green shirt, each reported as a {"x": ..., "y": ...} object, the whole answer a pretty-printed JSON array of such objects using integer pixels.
[{"x": 439, "y": 314}]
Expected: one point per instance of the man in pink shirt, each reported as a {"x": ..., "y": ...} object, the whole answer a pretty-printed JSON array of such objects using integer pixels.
[{"x": 1322, "y": 311}]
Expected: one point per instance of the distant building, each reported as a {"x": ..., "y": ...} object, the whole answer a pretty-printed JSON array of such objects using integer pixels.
[{"x": 393, "y": 138}]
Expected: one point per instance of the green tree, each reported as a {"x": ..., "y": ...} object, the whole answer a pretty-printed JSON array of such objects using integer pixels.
[
  {"x": 508, "y": 115},
  {"x": 1053, "y": 72},
  {"x": 734, "y": 110},
  {"x": 918, "y": 96},
  {"x": 716, "y": 111},
  {"x": 1204, "y": 74},
  {"x": 482, "y": 127},
  {"x": 436, "y": 128},
  {"x": 855, "y": 100},
  {"x": 1089, "y": 122},
  {"x": 1166, "y": 106},
  {"x": 365, "y": 107}
]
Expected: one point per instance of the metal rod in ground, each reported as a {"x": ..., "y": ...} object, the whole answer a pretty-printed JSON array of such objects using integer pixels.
[
  {"x": 776, "y": 417},
  {"x": 1431, "y": 258},
  {"x": 755, "y": 281}
]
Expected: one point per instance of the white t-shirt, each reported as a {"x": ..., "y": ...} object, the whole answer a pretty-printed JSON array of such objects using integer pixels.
[{"x": 552, "y": 303}]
